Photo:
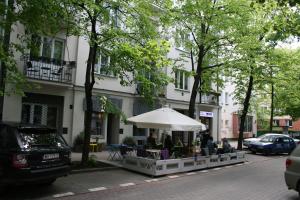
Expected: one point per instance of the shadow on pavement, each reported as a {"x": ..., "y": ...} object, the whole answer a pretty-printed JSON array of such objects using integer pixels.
[{"x": 28, "y": 192}]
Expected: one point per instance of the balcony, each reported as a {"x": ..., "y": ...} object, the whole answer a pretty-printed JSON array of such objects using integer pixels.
[
  {"x": 211, "y": 98},
  {"x": 42, "y": 68}
]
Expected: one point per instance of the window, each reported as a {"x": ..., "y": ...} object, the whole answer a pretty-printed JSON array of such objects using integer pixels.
[
  {"x": 39, "y": 114},
  {"x": 97, "y": 124},
  {"x": 226, "y": 123},
  {"x": 181, "y": 80},
  {"x": 115, "y": 20},
  {"x": 289, "y": 122},
  {"x": 276, "y": 122},
  {"x": 139, "y": 131},
  {"x": 182, "y": 39},
  {"x": 226, "y": 98},
  {"x": 46, "y": 47},
  {"x": 102, "y": 65},
  {"x": 248, "y": 123}
]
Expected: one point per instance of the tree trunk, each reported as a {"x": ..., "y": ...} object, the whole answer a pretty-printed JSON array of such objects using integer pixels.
[
  {"x": 89, "y": 84},
  {"x": 197, "y": 81},
  {"x": 6, "y": 43},
  {"x": 272, "y": 108},
  {"x": 244, "y": 113}
]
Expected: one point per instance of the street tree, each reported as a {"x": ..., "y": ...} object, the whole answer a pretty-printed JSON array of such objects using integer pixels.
[
  {"x": 286, "y": 83},
  {"x": 129, "y": 33},
  {"x": 261, "y": 38},
  {"x": 209, "y": 30}
]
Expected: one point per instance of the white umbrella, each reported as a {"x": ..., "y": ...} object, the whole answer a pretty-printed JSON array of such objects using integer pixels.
[{"x": 167, "y": 119}]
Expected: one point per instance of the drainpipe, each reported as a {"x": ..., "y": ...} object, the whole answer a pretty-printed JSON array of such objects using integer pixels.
[{"x": 73, "y": 92}]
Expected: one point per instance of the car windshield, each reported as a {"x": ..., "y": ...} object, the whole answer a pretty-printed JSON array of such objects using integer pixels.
[
  {"x": 41, "y": 139},
  {"x": 269, "y": 138},
  {"x": 261, "y": 136}
]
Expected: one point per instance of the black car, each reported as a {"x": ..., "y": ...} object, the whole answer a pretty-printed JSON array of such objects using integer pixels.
[{"x": 32, "y": 154}]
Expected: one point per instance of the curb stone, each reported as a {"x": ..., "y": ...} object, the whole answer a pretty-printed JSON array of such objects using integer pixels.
[{"x": 78, "y": 171}]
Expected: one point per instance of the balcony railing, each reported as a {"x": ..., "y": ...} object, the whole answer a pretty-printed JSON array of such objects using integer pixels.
[
  {"x": 209, "y": 98},
  {"x": 42, "y": 68}
]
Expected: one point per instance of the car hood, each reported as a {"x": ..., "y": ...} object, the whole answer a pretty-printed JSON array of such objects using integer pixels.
[
  {"x": 262, "y": 143},
  {"x": 251, "y": 139}
]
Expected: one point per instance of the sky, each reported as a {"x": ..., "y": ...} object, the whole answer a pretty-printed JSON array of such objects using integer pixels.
[{"x": 290, "y": 43}]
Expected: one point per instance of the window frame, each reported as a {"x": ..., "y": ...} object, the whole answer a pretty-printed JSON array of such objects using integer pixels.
[
  {"x": 98, "y": 66},
  {"x": 94, "y": 131},
  {"x": 52, "y": 50},
  {"x": 182, "y": 77}
]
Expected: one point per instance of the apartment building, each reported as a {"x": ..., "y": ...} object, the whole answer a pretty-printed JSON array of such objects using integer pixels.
[
  {"x": 230, "y": 122},
  {"x": 57, "y": 70}
]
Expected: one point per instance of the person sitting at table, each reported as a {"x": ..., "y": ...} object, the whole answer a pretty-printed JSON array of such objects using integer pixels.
[
  {"x": 168, "y": 144},
  {"x": 226, "y": 146},
  {"x": 151, "y": 143},
  {"x": 211, "y": 145}
]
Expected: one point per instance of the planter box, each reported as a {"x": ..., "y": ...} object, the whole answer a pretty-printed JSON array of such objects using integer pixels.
[{"x": 162, "y": 167}]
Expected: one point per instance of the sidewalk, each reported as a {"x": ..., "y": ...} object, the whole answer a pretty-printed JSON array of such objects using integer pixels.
[{"x": 101, "y": 157}]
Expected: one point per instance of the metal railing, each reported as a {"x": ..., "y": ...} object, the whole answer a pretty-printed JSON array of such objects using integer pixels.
[{"x": 42, "y": 68}]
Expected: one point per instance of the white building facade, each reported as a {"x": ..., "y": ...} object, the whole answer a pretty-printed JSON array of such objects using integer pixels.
[
  {"x": 57, "y": 99},
  {"x": 230, "y": 115}
]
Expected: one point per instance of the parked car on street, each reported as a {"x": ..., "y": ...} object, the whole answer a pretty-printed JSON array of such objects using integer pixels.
[
  {"x": 247, "y": 142},
  {"x": 297, "y": 141},
  {"x": 292, "y": 172},
  {"x": 32, "y": 154},
  {"x": 273, "y": 144}
]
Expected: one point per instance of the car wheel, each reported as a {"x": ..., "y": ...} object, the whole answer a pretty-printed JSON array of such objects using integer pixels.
[{"x": 253, "y": 151}]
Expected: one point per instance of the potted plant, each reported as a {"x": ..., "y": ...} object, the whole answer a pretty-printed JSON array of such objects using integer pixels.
[{"x": 129, "y": 141}]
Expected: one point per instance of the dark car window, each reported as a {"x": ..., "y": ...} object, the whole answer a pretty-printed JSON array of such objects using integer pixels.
[
  {"x": 41, "y": 138},
  {"x": 286, "y": 140}
]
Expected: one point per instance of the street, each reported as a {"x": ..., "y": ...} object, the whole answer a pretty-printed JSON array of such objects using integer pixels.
[{"x": 260, "y": 178}]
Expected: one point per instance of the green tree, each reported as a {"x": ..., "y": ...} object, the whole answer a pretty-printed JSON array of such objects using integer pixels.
[
  {"x": 128, "y": 32},
  {"x": 286, "y": 83},
  {"x": 257, "y": 67},
  {"x": 214, "y": 28},
  {"x": 38, "y": 17}
]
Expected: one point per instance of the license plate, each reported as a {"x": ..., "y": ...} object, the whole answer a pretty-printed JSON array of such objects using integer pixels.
[{"x": 51, "y": 156}]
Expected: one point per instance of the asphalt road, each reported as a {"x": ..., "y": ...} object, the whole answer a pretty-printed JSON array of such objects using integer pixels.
[{"x": 260, "y": 178}]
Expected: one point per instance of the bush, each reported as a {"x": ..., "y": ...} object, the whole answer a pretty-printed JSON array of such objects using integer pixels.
[
  {"x": 92, "y": 162},
  {"x": 130, "y": 141}
]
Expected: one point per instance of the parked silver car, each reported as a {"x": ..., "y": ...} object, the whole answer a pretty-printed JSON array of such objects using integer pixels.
[{"x": 292, "y": 172}]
